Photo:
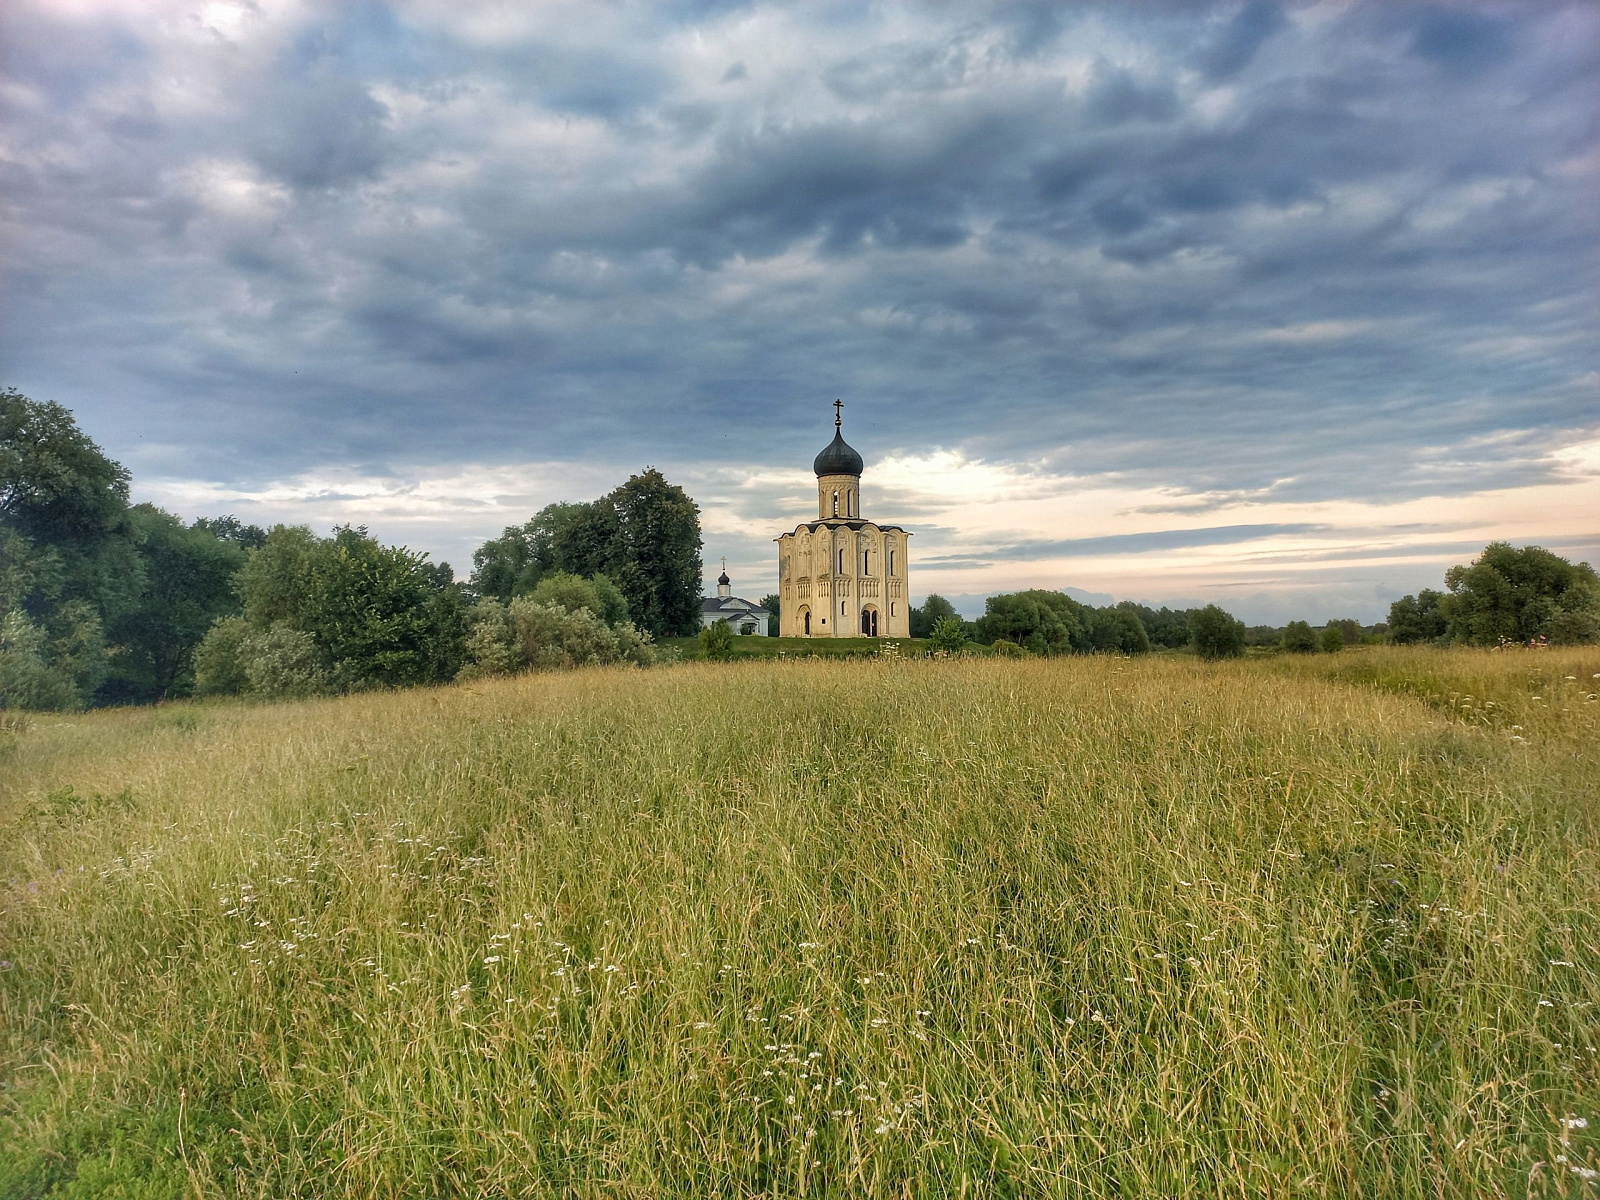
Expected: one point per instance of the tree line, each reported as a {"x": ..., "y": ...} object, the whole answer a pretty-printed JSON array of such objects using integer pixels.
[
  {"x": 1040, "y": 621},
  {"x": 107, "y": 602},
  {"x": 1504, "y": 596}
]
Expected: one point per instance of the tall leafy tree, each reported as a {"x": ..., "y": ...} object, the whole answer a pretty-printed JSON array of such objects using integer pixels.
[
  {"x": 658, "y": 565},
  {"x": 1299, "y": 638},
  {"x": 1520, "y": 595},
  {"x": 231, "y": 529},
  {"x": 1116, "y": 631},
  {"x": 927, "y": 615},
  {"x": 188, "y": 574},
  {"x": 1215, "y": 632},
  {"x": 1044, "y": 622},
  {"x": 68, "y": 558},
  {"x": 274, "y": 584},
  {"x": 1164, "y": 626},
  {"x": 579, "y": 539},
  {"x": 378, "y": 614},
  {"x": 1419, "y": 618}
]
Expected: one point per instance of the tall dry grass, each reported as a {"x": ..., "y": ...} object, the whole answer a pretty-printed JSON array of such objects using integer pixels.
[{"x": 1084, "y": 927}]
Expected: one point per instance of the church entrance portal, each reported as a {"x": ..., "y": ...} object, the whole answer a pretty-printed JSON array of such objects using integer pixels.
[
  {"x": 869, "y": 622},
  {"x": 805, "y": 621}
]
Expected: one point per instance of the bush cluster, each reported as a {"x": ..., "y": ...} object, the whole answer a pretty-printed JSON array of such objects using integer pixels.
[{"x": 529, "y": 635}]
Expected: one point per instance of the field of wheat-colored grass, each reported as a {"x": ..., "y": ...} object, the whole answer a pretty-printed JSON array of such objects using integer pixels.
[{"x": 1077, "y": 927}]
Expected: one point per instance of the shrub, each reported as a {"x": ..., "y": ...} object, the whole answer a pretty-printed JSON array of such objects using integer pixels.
[
  {"x": 553, "y": 639},
  {"x": 27, "y": 679},
  {"x": 1332, "y": 639},
  {"x": 1009, "y": 649},
  {"x": 281, "y": 662},
  {"x": 219, "y": 659},
  {"x": 492, "y": 647},
  {"x": 949, "y": 635},
  {"x": 546, "y": 637},
  {"x": 1298, "y": 638},
  {"x": 1574, "y": 628},
  {"x": 1215, "y": 633},
  {"x": 716, "y": 641},
  {"x": 572, "y": 592}
]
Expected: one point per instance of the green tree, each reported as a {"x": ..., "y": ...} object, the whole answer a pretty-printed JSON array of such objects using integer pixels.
[
  {"x": 56, "y": 486},
  {"x": 68, "y": 558},
  {"x": 188, "y": 575},
  {"x": 927, "y": 615},
  {"x": 658, "y": 564},
  {"x": 576, "y": 538},
  {"x": 716, "y": 642},
  {"x": 1164, "y": 627},
  {"x": 1042, "y": 622},
  {"x": 275, "y": 582},
  {"x": 1518, "y": 595},
  {"x": 771, "y": 603},
  {"x": 644, "y": 536},
  {"x": 231, "y": 529},
  {"x": 1419, "y": 618},
  {"x": 1298, "y": 638},
  {"x": 377, "y": 615},
  {"x": 1215, "y": 633},
  {"x": 1116, "y": 631},
  {"x": 1332, "y": 639}
]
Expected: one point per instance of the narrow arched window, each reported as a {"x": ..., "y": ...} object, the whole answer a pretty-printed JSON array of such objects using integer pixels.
[
  {"x": 841, "y": 562},
  {"x": 891, "y": 567},
  {"x": 836, "y": 502}
]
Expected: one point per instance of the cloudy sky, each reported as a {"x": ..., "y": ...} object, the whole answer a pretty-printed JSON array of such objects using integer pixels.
[{"x": 1287, "y": 306}]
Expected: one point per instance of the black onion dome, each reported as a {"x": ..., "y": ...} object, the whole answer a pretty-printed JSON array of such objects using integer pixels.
[
  {"x": 838, "y": 458},
  {"x": 723, "y": 578}
]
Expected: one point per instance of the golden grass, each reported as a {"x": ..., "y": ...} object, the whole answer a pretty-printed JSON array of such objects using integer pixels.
[{"x": 1082, "y": 927}]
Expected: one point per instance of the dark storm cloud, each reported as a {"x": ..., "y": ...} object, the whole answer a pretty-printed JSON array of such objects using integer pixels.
[{"x": 1289, "y": 251}]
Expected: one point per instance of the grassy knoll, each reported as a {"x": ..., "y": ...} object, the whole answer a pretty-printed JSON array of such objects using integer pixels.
[{"x": 1083, "y": 927}]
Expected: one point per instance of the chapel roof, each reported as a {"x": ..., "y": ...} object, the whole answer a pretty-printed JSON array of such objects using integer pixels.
[{"x": 728, "y": 604}]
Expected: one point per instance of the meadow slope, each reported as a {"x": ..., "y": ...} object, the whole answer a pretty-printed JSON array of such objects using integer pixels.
[{"x": 1081, "y": 927}]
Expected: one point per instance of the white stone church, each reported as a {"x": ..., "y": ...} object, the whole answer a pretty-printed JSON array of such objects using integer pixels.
[{"x": 841, "y": 575}]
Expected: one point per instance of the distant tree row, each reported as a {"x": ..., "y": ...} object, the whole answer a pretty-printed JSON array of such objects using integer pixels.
[
  {"x": 1043, "y": 622},
  {"x": 103, "y": 602}
]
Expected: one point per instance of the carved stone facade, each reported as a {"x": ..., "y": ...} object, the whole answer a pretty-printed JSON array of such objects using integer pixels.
[{"x": 842, "y": 575}]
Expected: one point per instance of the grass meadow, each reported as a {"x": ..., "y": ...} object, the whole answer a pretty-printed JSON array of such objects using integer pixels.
[{"x": 1080, "y": 927}]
